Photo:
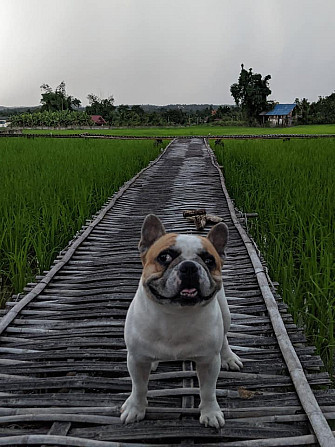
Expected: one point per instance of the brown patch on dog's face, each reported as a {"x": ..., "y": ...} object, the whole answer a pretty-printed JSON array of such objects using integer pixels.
[
  {"x": 149, "y": 258},
  {"x": 210, "y": 249}
]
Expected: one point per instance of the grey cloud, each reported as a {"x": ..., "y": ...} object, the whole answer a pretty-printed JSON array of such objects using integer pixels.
[{"x": 164, "y": 51}]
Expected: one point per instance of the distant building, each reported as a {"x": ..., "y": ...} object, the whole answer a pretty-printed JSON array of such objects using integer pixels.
[
  {"x": 280, "y": 115},
  {"x": 98, "y": 120},
  {"x": 4, "y": 121}
]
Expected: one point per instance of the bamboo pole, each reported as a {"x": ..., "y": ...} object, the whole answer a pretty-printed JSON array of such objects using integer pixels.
[
  {"x": 63, "y": 440},
  {"x": 276, "y": 442}
]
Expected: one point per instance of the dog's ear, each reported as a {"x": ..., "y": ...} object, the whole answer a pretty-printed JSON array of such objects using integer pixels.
[
  {"x": 218, "y": 236},
  {"x": 152, "y": 229}
]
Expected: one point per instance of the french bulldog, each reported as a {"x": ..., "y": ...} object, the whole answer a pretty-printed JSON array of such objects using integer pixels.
[{"x": 179, "y": 312}]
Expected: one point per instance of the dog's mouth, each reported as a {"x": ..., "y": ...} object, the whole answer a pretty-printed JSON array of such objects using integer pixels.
[
  {"x": 185, "y": 297},
  {"x": 189, "y": 293}
]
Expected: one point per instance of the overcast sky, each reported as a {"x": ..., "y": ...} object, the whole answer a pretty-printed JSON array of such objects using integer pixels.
[{"x": 165, "y": 51}]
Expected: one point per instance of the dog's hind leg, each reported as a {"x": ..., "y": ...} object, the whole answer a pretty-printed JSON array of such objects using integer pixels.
[{"x": 229, "y": 360}]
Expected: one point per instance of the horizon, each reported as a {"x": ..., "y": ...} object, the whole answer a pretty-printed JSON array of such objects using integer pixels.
[{"x": 132, "y": 104}]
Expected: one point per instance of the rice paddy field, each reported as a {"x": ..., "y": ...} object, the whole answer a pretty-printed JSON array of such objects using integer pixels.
[
  {"x": 290, "y": 184},
  {"x": 48, "y": 189},
  {"x": 198, "y": 130}
]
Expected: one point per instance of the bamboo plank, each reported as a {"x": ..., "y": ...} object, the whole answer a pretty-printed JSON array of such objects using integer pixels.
[{"x": 61, "y": 440}]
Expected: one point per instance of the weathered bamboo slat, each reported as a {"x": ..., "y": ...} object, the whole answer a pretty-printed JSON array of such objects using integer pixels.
[
  {"x": 62, "y": 440},
  {"x": 60, "y": 417},
  {"x": 285, "y": 441}
]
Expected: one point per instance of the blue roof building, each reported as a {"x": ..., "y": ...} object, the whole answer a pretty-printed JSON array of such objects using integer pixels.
[{"x": 280, "y": 115}]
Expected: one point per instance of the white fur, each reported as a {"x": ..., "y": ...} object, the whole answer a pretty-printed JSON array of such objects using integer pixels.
[
  {"x": 189, "y": 245},
  {"x": 160, "y": 332},
  {"x": 155, "y": 332}
]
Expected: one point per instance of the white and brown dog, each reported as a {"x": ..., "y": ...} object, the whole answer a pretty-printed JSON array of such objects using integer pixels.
[{"x": 179, "y": 312}]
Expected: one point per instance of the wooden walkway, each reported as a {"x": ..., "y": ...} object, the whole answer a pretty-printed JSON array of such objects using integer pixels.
[{"x": 62, "y": 354}]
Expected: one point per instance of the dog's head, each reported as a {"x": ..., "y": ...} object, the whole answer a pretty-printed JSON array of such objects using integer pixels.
[{"x": 181, "y": 269}]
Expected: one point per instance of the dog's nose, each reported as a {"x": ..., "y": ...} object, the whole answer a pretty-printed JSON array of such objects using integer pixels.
[{"x": 188, "y": 268}]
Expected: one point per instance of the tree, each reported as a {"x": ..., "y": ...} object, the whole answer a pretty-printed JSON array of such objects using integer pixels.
[
  {"x": 137, "y": 109},
  {"x": 104, "y": 107},
  {"x": 175, "y": 116},
  {"x": 51, "y": 119},
  {"x": 303, "y": 110},
  {"x": 250, "y": 92},
  {"x": 319, "y": 112},
  {"x": 323, "y": 111},
  {"x": 58, "y": 100}
]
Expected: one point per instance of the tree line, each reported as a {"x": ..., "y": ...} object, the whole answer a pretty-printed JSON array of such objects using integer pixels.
[
  {"x": 319, "y": 112},
  {"x": 58, "y": 109},
  {"x": 250, "y": 93}
]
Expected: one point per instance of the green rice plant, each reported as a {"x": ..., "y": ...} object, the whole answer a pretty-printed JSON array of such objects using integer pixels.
[
  {"x": 206, "y": 130},
  {"x": 291, "y": 187},
  {"x": 48, "y": 189}
]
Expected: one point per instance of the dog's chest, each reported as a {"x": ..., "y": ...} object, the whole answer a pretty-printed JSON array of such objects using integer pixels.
[
  {"x": 164, "y": 336},
  {"x": 175, "y": 341}
]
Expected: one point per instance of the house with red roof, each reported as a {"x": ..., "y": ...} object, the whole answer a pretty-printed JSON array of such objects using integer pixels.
[{"x": 98, "y": 120}]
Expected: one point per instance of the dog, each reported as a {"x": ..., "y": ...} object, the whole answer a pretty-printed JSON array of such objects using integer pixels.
[{"x": 179, "y": 312}]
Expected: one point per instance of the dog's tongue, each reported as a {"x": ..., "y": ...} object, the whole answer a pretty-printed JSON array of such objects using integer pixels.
[{"x": 189, "y": 293}]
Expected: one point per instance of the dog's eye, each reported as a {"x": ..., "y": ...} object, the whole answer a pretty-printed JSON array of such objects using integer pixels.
[
  {"x": 164, "y": 258},
  {"x": 209, "y": 261}
]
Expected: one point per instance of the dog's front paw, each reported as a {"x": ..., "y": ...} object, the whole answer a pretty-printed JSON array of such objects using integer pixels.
[
  {"x": 231, "y": 361},
  {"x": 212, "y": 418},
  {"x": 132, "y": 410}
]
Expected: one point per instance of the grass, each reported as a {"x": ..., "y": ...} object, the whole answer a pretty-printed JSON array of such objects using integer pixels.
[
  {"x": 199, "y": 130},
  {"x": 291, "y": 186},
  {"x": 48, "y": 189}
]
